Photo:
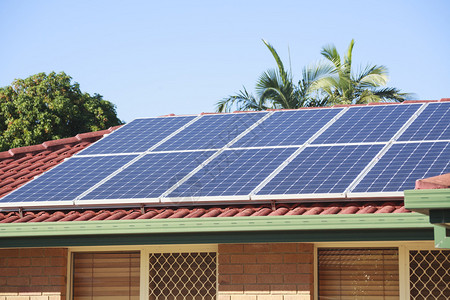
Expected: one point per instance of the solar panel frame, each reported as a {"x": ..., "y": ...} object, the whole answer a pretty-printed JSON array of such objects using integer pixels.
[
  {"x": 137, "y": 136},
  {"x": 433, "y": 123},
  {"x": 287, "y": 128},
  {"x": 215, "y": 179},
  {"x": 66, "y": 181},
  {"x": 147, "y": 178},
  {"x": 212, "y": 131},
  {"x": 369, "y": 119},
  {"x": 404, "y": 159},
  {"x": 286, "y": 184}
]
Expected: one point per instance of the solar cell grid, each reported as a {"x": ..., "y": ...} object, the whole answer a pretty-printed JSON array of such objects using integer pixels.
[
  {"x": 287, "y": 128},
  {"x": 326, "y": 169},
  {"x": 211, "y": 132},
  {"x": 69, "y": 179},
  {"x": 432, "y": 124},
  {"x": 150, "y": 176},
  {"x": 403, "y": 164},
  {"x": 137, "y": 136},
  {"x": 233, "y": 172},
  {"x": 368, "y": 124}
]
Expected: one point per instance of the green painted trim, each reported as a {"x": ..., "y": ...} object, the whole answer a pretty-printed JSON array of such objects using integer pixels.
[
  {"x": 302, "y": 236},
  {"x": 441, "y": 237},
  {"x": 425, "y": 200},
  {"x": 214, "y": 225}
]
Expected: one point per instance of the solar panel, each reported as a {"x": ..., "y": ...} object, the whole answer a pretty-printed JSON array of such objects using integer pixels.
[
  {"x": 150, "y": 176},
  {"x": 432, "y": 124},
  {"x": 211, "y": 131},
  {"x": 68, "y": 180},
  {"x": 403, "y": 164},
  {"x": 137, "y": 136},
  {"x": 233, "y": 172},
  {"x": 368, "y": 124},
  {"x": 187, "y": 159},
  {"x": 287, "y": 128},
  {"x": 326, "y": 169}
]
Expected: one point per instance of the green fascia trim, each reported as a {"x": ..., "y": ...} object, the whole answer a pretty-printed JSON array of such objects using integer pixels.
[
  {"x": 294, "y": 236},
  {"x": 216, "y": 225},
  {"x": 425, "y": 200},
  {"x": 441, "y": 237}
]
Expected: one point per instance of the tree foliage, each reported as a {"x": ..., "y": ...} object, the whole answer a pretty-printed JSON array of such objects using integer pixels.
[
  {"x": 345, "y": 86},
  {"x": 46, "y": 107},
  {"x": 276, "y": 88},
  {"x": 328, "y": 82}
]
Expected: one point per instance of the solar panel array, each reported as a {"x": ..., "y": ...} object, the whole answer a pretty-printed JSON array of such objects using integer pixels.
[{"x": 295, "y": 154}]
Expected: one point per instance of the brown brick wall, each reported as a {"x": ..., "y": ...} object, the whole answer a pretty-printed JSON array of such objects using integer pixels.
[
  {"x": 33, "y": 274},
  {"x": 282, "y": 271}
]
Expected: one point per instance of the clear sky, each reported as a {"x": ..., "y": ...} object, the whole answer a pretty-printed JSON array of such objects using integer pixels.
[{"x": 153, "y": 58}]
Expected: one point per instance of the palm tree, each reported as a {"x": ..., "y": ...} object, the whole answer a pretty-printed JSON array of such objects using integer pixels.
[
  {"x": 275, "y": 88},
  {"x": 343, "y": 86}
]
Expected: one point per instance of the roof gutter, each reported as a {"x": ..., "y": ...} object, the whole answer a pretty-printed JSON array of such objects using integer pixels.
[{"x": 212, "y": 225}]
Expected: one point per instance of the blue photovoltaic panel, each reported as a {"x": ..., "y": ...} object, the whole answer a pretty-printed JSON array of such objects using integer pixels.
[
  {"x": 211, "y": 131},
  {"x": 432, "y": 124},
  {"x": 233, "y": 172},
  {"x": 69, "y": 179},
  {"x": 327, "y": 169},
  {"x": 403, "y": 164},
  {"x": 137, "y": 136},
  {"x": 378, "y": 123},
  {"x": 287, "y": 128},
  {"x": 150, "y": 176}
]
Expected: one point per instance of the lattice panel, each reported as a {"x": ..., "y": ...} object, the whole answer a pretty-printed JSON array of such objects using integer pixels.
[
  {"x": 429, "y": 274},
  {"x": 177, "y": 276}
]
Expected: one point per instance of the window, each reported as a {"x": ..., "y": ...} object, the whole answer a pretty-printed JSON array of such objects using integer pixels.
[
  {"x": 358, "y": 274},
  {"x": 429, "y": 273},
  {"x": 144, "y": 272},
  {"x": 182, "y": 275},
  {"x": 399, "y": 270},
  {"x": 102, "y": 275}
]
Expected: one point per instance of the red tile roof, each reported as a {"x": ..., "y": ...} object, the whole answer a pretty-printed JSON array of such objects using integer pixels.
[
  {"x": 436, "y": 182},
  {"x": 20, "y": 165},
  {"x": 203, "y": 212}
]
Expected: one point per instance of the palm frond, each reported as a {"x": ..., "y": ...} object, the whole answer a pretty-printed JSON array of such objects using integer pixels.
[
  {"x": 330, "y": 52},
  {"x": 389, "y": 94},
  {"x": 348, "y": 59},
  {"x": 372, "y": 76},
  {"x": 285, "y": 76},
  {"x": 242, "y": 101}
]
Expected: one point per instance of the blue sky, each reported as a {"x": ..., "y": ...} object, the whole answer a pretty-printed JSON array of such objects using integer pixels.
[{"x": 153, "y": 58}]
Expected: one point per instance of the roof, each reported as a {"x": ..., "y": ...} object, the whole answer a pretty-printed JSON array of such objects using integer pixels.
[
  {"x": 436, "y": 182},
  {"x": 20, "y": 165}
]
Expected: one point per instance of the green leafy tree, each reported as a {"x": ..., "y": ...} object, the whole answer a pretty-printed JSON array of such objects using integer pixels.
[
  {"x": 276, "y": 88},
  {"x": 344, "y": 86},
  {"x": 45, "y": 107}
]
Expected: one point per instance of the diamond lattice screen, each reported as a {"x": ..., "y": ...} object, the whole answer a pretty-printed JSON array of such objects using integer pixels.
[
  {"x": 182, "y": 276},
  {"x": 429, "y": 272}
]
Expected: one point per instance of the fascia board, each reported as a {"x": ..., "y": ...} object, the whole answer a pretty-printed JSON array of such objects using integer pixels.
[
  {"x": 234, "y": 224},
  {"x": 425, "y": 200}
]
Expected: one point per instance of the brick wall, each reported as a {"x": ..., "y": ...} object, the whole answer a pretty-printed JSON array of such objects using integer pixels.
[
  {"x": 281, "y": 271},
  {"x": 33, "y": 274}
]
